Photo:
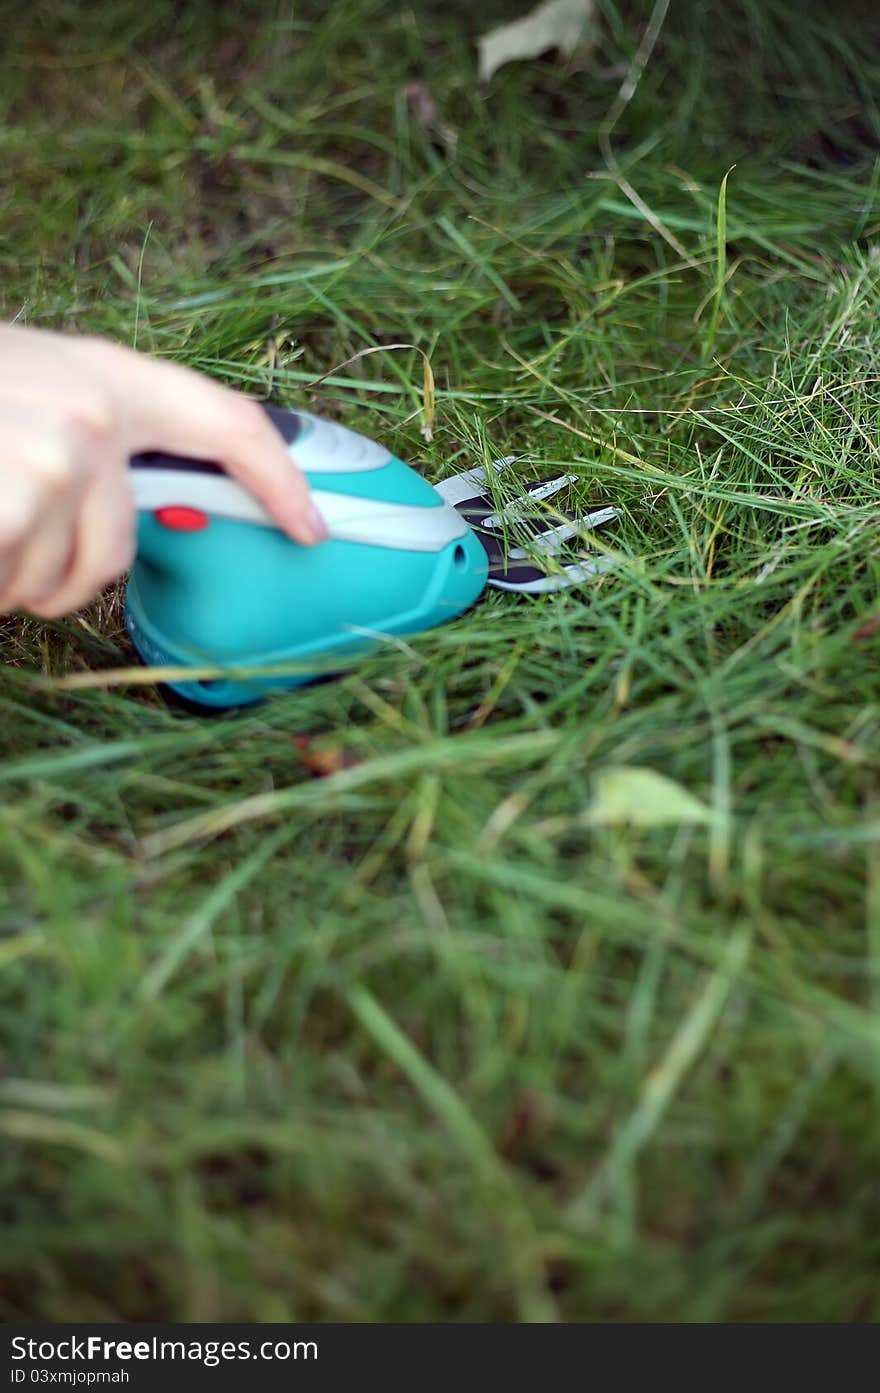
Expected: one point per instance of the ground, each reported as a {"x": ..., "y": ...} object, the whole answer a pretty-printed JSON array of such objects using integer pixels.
[{"x": 443, "y": 1035}]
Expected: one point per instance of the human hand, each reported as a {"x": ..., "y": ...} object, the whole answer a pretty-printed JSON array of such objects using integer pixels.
[{"x": 72, "y": 411}]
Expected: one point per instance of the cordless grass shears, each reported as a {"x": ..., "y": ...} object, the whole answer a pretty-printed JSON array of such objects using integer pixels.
[{"x": 216, "y": 584}]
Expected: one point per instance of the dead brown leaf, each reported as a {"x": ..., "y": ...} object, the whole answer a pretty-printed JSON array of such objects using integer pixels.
[{"x": 323, "y": 760}]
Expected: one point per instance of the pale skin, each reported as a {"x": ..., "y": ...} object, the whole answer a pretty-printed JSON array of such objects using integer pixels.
[{"x": 72, "y": 411}]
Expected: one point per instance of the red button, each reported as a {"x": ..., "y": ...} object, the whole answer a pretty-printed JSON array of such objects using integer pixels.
[{"x": 182, "y": 519}]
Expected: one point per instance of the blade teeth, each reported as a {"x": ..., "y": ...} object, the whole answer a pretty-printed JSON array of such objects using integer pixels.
[
  {"x": 536, "y": 494},
  {"x": 543, "y": 583},
  {"x": 470, "y": 483},
  {"x": 549, "y": 542},
  {"x": 468, "y": 490},
  {"x": 460, "y": 487},
  {"x": 552, "y": 486}
]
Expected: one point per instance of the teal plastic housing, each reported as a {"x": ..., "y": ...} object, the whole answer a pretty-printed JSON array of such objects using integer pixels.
[{"x": 244, "y": 597}]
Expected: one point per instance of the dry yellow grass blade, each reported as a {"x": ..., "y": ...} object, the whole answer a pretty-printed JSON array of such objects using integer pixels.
[
  {"x": 148, "y": 676},
  {"x": 429, "y": 404}
]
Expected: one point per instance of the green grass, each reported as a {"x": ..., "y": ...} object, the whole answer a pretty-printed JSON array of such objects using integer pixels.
[{"x": 432, "y": 1038}]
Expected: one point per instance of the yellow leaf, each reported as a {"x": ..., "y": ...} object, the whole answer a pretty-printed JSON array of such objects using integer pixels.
[
  {"x": 560, "y": 24},
  {"x": 641, "y": 797}
]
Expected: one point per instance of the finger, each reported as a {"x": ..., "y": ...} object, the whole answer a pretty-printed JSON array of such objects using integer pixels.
[
  {"x": 19, "y": 514},
  {"x": 104, "y": 544},
  {"x": 45, "y": 373},
  {"x": 44, "y": 559},
  {"x": 162, "y": 406},
  {"x": 40, "y": 481},
  {"x": 9, "y": 559}
]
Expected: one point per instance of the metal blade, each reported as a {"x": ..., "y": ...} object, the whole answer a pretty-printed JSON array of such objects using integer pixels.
[{"x": 515, "y": 563}]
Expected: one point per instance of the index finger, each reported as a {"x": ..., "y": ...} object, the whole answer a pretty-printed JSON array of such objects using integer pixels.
[{"x": 163, "y": 406}]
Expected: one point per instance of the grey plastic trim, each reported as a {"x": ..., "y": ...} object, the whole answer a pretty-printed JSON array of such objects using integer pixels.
[{"x": 323, "y": 447}]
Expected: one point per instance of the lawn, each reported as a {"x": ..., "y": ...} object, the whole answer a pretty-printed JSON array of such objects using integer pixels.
[{"x": 413, "y": 996}]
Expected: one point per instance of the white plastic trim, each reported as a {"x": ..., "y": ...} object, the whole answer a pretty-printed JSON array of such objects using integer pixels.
[{"x": 348, "y": 518}]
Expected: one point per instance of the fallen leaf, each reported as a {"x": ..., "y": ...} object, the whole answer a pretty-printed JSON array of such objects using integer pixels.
[
  {"x": 559, "y": 24},
  {"x": 641, "y": 797},
  {"x": 867, "y": 629},
  {"x": 528, "y": 1122},
  {"x": 423, "y": 108},
  {"x": 421, "y": 102},
  {"x": 322, "y": 760}
]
